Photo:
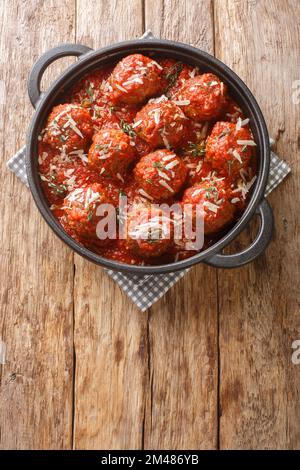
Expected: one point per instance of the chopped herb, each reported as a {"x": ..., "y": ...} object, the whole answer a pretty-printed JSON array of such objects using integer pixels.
[
  {"x": 105, "y": 148},
  {"x": 209, "y": 190},
  {"x": 58, "y": 189},
  {"x": 122, "y": 193},
  {"x": 158, "y": 165},
  {"x": 102, "y": 147},
  {"x": 127, "y": 128},
  {"x": 86, "y": 103},
  {"x": 90, "y": 92},
  {"x": 112, "y": 109},
  {"x": 244, "y": 148},
  {"x": 173, "y": 74},
  {"x": 97, "y": 111},
  {"x": 196, "y": 150},
  {"x": 148, "y": 181},
  {"x": 90, "y": 216},
  {"x": 224, "y": 133}
]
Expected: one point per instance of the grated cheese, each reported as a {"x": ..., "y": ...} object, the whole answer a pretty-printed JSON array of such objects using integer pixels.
[
  {"x": 120, "y": 177},
  {"x": 121, "y": 88},
  {"x": 133, "y": 80},
  {"x": 156, "y": 115},
  {"x": 137, "y": 123},
  {"x": 157, "y": 65},
  {"x": 159, "y": 99},
  {"x": 169, "y": 157},
  {"x": 77, "y": 152},
  {"x": 143, "y": 193},
  {"x": 210, "y": 206},
  {"x": 241, "y": 123},
  {"x": 103, "y": 156},
  {"x": 165, "y": 184},
  {"x": 42, "y": 157},
  {"x": 62, "y": 113},
  {"x": 199, "y": 166},
  {"x": 69, "y": 172},
  {"x": 75, "y": 128},
  {"x": 172, "y": 164},
  {"x": 246, "y": 142},
  {"x": 165, "y": 140},
  {"x": 236, "y": 155},
  {"x": 238, "y": 124},
  {"x": 163, "y": 175},
  {"x": 182, "y": 102}
]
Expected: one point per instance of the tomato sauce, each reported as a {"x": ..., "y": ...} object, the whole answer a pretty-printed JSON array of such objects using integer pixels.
[{"x": 155, "y": 131}]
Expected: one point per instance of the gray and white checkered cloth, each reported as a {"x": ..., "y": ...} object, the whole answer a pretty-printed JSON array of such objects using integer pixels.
[{"x": 144, "y": 291}]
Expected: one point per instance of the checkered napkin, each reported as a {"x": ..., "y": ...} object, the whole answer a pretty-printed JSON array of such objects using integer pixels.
[{"x": 145, "y": 290}]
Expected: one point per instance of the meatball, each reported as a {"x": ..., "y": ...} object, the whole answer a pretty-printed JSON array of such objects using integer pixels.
[
  {"x": 160, "y": 174},
  {"x": 135, "y": 79},
  {"x": 162, "y": 124},
  {"x": 149, "y": 231},
  {"x": 174, "y": 75},
  {"x": 61, "y": 174},
  {"x": 112, "y": 116},
  {"x": 57, "y": 178},
  {"x": 80, "y": 207},
  {"x": 69, "y": 127},
  {"x": 212, "y": 197},
  {"x": 202, "y": 97},
  {"x": 197, "y": 169},
  {"x": 229, "y": 148},
  {"x": 111, "y": 153}
]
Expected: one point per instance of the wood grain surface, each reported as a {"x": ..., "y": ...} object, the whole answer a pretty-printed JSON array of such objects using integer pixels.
[
  {"x": 209, "y": 366},
  {"x": 37, "y": 269},
  {"x": 259, "y": 304}
]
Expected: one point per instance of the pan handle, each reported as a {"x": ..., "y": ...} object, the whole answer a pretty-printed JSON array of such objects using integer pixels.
[
  {"x": 36, "y": 74},
  {"x": 256, "y": 248},
  {"x": 148, "y": 35}
]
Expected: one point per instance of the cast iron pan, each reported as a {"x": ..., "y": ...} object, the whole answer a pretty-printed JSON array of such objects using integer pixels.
[{"x": 90, "y": 59}]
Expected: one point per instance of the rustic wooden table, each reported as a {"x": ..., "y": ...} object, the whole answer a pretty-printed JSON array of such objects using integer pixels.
[{"x": 209, "y": 366}]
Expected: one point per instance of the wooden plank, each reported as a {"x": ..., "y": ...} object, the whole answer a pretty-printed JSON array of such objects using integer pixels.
[
  {"x": 110, "y": 333},
  {"x": 182, "y": 20},
  {"x": 37, "y": 270},
  {"x": 181, "y": 407},
  {"x": 259, "y": 304}
]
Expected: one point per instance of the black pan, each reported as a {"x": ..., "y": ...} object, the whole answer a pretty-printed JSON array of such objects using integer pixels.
[{"x": 90, "y": 59}]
